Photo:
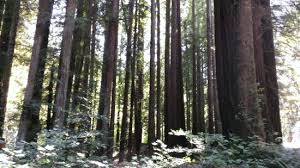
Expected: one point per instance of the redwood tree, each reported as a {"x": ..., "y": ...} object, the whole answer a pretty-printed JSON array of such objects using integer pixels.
[
  {"x": 7, "y": 45},
  {"x": 109, "y": 58},
  {"x": 176, "y": 119},
  {"x": 29, "y": 122},
  {"x": 64, "y": 64},
  {"x": 236, "y": 69}
]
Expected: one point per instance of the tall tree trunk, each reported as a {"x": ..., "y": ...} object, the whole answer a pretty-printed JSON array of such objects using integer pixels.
[
  {"x": 158, "y": 107},
  {"x": 176, "y": 119},
  {"x": 78, "y": 58},
  {"x": 218, "y": 123},
  {"x": 113, "y": 109},
  {"x": 64, "y": 65},
  {"x": 133, "y": 103},
  {"x": 271, "y": 71},
  {"x": 151, "y": 115},
  {"x": 167, "y": 63},
  {"x": 140, "y": 81},
  {"x": 84, "y": 105},
  {"x": 124, "y": 126},
  {"x": 93, "y": 70},
  {"x": 200, "y": 85},
  {"x": 209, "y": 68},
  {"x": 29, "y": 124},
  {"x": 266, "y": 67},
  {"x": 109, "y": 58},
  {"x": 7, "y": 45},
  {"x": 235, "y": 56},
  {"x": 195, "y": 110}
]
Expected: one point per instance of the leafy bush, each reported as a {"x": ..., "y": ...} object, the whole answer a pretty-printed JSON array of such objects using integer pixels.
[
  {"x": 58, "y": 148},
  {"x": 213, "y": 150}
]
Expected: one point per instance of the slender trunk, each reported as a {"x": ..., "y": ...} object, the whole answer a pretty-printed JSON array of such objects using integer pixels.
[
  {"x": 29, "y": 124},
  {"x": 49, "y": 122},
  {"x": 7, "y": 45},
  {"x": 109, "y": 58},
  {"x": 64, "y": 65},
  {"x": 84, "y": 105},
  {"x": 92, "y": 81},
  {"x": 167, "y": 63},
  {"x": 124, "y": 127},
  {"x": 139, "y": 90},
  {"x": 151, "y": 115},
  {"x": 158, "y": 115},
  {"x": 78, "y": 56},
  {"x": 133, "y": 88},
  {"x": 200, "y": 85},
  {"x": 118, "y": 120},
  {"x": 209, "y": 68},
  {"x": 195, "y": 110}
]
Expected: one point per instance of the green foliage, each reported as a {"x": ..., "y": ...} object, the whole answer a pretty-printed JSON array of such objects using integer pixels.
[
  {"x": 59, "y": 148},
  {"x": 218, "y": 151}
]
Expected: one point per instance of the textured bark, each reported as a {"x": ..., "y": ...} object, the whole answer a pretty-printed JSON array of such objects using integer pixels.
[
  {"x": 236, "y": 69},
  {"x": 124, "y": 126},
  {"x": 133, "y": 103},
  {"x": 218, "y": 123},
  {"x": 266, "y": 67},
  {"x": 151, "y": 114},
  {"x": 176, "y": 119},
  {"x": 158, "y": 90},
  {"x": 109, "y": 58},
  {"x": 200, "y": 86},
  {"x": 195, "y": 110},
  {"x": 167, "y": 63},
  {"x": 64, "y": 65},
  {"x": 200, "y": 93},
  {"x": 92, "y": 81},
  {"x": 113, "y": 110},
  {"x": 29, "y": 124},
  {"x": 140, "y": 84},
  {"x": 209, "y": 69},
  {"x": 270, "y": 68},
  {"x": 7, "y": 45},
  {"x": 78, "y": 58}
]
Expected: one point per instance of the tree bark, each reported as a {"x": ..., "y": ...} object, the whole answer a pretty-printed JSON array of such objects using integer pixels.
[
  {"x": 209, "y": 69},
  {"x": 110, "y": 50},
  {"x": 151, "y": 114},
  {"x": 271, "y": 71},
  {"x": 195, "y": 110},
  {"x": 29, "y": 124},
  {"x": 77, "y": 62},
  {"x": 167, "y": 65},
  {"x": 158, "y": 91},
  {"x": 7, "y": 45},
  {"x": 140, "y": 84},
  {"x": 176, "y": 119},
  {"x": 124, "y": 126},
  {"x": 236, "y": 69},
  {"x": 64, "y": 65}
]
